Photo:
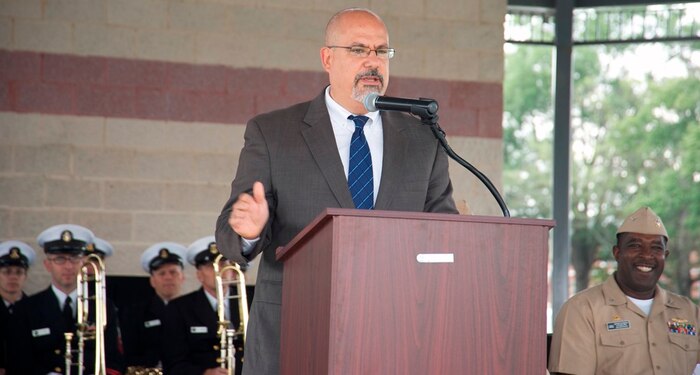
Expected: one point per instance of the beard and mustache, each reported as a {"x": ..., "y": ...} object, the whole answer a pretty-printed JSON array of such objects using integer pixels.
[{"x": 360, "y": 92}]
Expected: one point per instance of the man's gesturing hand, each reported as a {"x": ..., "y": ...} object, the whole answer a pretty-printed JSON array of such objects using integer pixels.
[{"x": 250, "y": 213}]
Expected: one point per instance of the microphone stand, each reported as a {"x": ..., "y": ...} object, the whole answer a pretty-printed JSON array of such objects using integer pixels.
[{"x": 431, "y": 120}]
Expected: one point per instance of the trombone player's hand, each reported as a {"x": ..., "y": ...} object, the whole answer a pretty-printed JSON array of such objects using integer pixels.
[
  {"x": 216, "y": 371},
  {"x": 249, "y": 213}
]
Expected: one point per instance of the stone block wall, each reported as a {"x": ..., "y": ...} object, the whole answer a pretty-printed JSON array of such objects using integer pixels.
[{"x": 127, "y": 116}]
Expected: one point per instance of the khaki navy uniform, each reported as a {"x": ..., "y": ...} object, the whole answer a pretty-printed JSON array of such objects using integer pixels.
[{"x": 600, "y": 331}]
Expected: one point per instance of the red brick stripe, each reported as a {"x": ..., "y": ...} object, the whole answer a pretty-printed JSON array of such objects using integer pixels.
[{"x": 99, "y": 86}]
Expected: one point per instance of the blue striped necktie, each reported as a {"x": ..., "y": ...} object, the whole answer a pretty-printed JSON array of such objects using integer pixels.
[{"x": 360, "y": 178}]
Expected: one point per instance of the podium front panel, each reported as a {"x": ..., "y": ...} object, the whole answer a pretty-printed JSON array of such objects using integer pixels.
[{"x": 366, "y": 305}]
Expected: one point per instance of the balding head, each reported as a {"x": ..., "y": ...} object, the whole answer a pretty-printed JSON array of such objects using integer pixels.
[
  {"x": 336, "y": 23},
  {"x": 353, "y": 74}
]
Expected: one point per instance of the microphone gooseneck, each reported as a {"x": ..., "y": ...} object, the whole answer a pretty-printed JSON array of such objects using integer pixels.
[{"x": 427, "y": 109}]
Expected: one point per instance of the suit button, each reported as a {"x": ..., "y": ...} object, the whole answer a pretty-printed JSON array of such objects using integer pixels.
[
  {"x": 622, "y": 342},
  {"x": 216, "y": 347},
  {"x": 57, "y": 369},
  {"x": 57, "y": 351}
]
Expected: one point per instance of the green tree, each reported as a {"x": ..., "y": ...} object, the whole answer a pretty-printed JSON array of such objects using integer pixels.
[
  {"x": 634, "y": 142},
  {"x": 528, "y": 131}
]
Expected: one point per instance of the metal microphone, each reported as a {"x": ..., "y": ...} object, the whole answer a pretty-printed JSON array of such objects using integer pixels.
[{"x": 423, "y": 107}]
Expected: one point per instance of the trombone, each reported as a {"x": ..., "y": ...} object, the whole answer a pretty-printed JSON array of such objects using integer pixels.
[
  {"x": 92, "y": 271},
  {"x": 225, "y": 332}
]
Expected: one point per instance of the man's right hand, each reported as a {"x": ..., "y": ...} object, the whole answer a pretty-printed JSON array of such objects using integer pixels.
[{"x": 249, "y": 213}]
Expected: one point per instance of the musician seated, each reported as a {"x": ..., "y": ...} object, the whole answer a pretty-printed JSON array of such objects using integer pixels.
[
  {"x": 15, "y": 259},
  {"x": 40, "y": 321},
  {"x": 142, "y": 323},
  {"x": 191, "y": 344}
]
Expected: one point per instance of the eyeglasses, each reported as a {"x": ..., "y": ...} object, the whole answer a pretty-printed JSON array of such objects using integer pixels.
[
  {"x": 60, "y": 260},
  {"x": 362, "y": 51}
]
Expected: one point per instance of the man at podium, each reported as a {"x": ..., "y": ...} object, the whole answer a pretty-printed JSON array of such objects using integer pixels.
[{"x": 326, "y": 153}]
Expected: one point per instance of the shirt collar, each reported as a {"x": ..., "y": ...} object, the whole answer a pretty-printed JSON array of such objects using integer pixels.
[
  {"x": 615, "y": 296},
  {"x": 212, "y": 300},
  {"x": 335, "y": 110},
  {"x": 62, "y": 296}
]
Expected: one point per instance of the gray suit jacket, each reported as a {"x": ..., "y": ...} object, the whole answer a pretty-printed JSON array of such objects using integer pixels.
[{"x": 293, "y": 153}]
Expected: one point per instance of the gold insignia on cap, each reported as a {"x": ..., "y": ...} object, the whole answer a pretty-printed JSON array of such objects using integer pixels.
[
  {"x": 14, "y": 253},
  {"x": 164, "y": 253},
  {"x": 213, "y": 249},
  {"x": 66, "y": 236},
  {"x": 616, "y": 317},
  {"x": 90, "y": 248}
]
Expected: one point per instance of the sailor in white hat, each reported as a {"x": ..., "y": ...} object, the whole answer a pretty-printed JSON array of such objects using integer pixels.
[
  {"x": 101, "y": 247},
  {"x": 142, "y": 325},
  {"x": 43, "y": 318},
  {"x": 194, "y": 317},
  {"x": 15, "y": 259}
]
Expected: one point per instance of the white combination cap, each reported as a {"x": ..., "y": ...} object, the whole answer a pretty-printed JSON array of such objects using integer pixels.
[
  {"x": 16, "y": 253},
  {"x": 101, "y": 247},
  {"x": 163, "y": 253},
  {"x": 65, "y": 238},
  {"x": 202, "y": 251}
]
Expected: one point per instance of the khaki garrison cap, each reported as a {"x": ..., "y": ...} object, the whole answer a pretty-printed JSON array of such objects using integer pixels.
[{"x": 643, "y": 221}]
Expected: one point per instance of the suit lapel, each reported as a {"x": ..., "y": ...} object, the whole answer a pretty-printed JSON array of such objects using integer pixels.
[
  {"x": 320, "y": 139},
  {"x": 395, "y": 155}
]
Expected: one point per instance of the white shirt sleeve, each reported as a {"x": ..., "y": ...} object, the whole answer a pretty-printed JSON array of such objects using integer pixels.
[{"x": 247, "y": 246}]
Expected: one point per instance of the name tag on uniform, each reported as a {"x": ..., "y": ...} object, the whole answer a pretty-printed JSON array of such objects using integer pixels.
[
  {"x": 41, "y": 332},
  {"x": 623, "y": 324},
  {"x": 199, "y": 329},
  {"x": 151, "y": 323}
]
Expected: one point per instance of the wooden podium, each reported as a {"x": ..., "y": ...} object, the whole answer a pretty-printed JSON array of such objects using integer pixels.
[{"x": 386, "y": 292}]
